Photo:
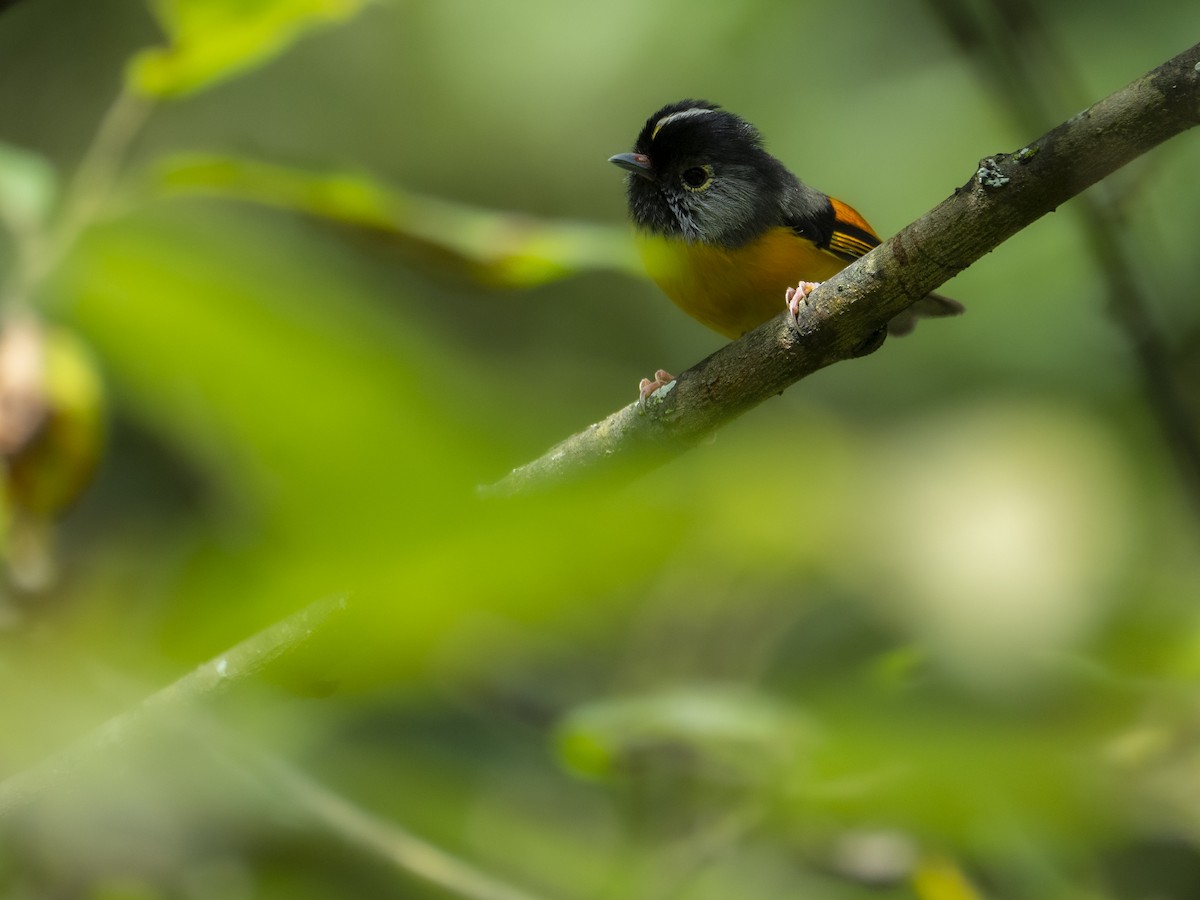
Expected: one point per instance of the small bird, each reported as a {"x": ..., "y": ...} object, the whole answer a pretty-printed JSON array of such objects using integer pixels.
[{"x": 728, "y": 232}]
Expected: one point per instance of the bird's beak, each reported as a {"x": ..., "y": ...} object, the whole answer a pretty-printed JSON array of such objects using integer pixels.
[{"x": 637, "y": 163}]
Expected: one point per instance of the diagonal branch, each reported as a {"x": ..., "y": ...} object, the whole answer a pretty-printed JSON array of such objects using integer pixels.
[
  {"x": 1008, "y": 192},
  {"x": 1019, "y": 58}
]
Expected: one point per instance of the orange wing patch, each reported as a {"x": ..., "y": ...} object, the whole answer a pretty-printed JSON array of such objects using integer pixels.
[
  {"x": 848, "y": 215},
  {"x": 852, "y": 236}
]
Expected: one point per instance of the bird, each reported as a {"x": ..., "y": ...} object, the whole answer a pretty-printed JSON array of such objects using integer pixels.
[{"x": 729, "y": 233}]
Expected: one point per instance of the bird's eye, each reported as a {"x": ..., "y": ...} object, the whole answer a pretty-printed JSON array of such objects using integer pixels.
[{"x": 697, "y": 178}]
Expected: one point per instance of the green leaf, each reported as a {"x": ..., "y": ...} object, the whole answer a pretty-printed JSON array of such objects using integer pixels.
[
  {"x": 213, "y": 40},
  {"x": 28, "y": 185},
  {"x": 500, "y": 249},
  {"x": 725, "y": 729}
]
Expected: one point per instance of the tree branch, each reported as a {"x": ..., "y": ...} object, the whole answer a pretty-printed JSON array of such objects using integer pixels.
[
  {"x": 1018, "y": 56},
  {"x": 1008, "y": 192}
]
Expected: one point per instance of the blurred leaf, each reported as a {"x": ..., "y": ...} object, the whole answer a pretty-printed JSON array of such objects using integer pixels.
[
  {"x": 942, "y": 770},
  {"x": 339, "y": 439},
  {"x": 721, "y": 729},
  {"x": 214, "y": 40},
  {"x": 28, "y": 184},
  {"x": 500, "y": 249}
]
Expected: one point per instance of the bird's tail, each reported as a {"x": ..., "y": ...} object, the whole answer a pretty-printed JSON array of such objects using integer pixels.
[{"x": 931, "y": 306}]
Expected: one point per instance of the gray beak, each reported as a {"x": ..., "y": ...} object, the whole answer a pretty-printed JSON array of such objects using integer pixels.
[{"x": 637, "y": 163}]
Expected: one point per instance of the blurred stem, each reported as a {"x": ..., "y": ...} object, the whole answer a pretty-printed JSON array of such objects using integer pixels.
[
  {"x": 670, "y": 870},
  {"x": 386, "y": 839},
  {"x": 98, "y": 170},
  {"x": 88, "y": 191},
  {"x": 203, "y": 683},
  {"x": 1020, "y": 58}
]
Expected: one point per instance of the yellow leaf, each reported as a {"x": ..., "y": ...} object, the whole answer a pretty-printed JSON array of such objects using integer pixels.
[{"x": 938, "y": 878}]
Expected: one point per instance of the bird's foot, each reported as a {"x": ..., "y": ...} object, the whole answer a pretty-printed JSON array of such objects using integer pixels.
[
  {"x": 797, "y": 296},
  {"x": 648, "y": 386}
]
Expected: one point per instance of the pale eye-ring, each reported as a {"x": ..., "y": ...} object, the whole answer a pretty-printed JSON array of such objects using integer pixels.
[{"x": 697, "y": 178}]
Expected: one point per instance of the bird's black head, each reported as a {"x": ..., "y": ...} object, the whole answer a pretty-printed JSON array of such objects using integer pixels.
[{"x": 700, "y": 173}]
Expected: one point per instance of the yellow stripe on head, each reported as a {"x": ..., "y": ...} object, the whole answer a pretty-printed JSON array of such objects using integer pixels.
[{"x": 675, "y": 116}]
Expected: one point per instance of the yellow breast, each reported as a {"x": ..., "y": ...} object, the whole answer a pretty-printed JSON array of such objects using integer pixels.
[{"x": 734, "y": 291}]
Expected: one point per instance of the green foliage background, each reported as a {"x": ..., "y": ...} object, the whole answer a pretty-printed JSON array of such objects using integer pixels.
[{"x": 941, "y": 601}]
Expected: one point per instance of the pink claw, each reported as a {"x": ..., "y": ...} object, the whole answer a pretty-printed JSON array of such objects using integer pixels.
[
  {"x": 796, "y": 296},
  {"x": 647, "y": 386}
]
